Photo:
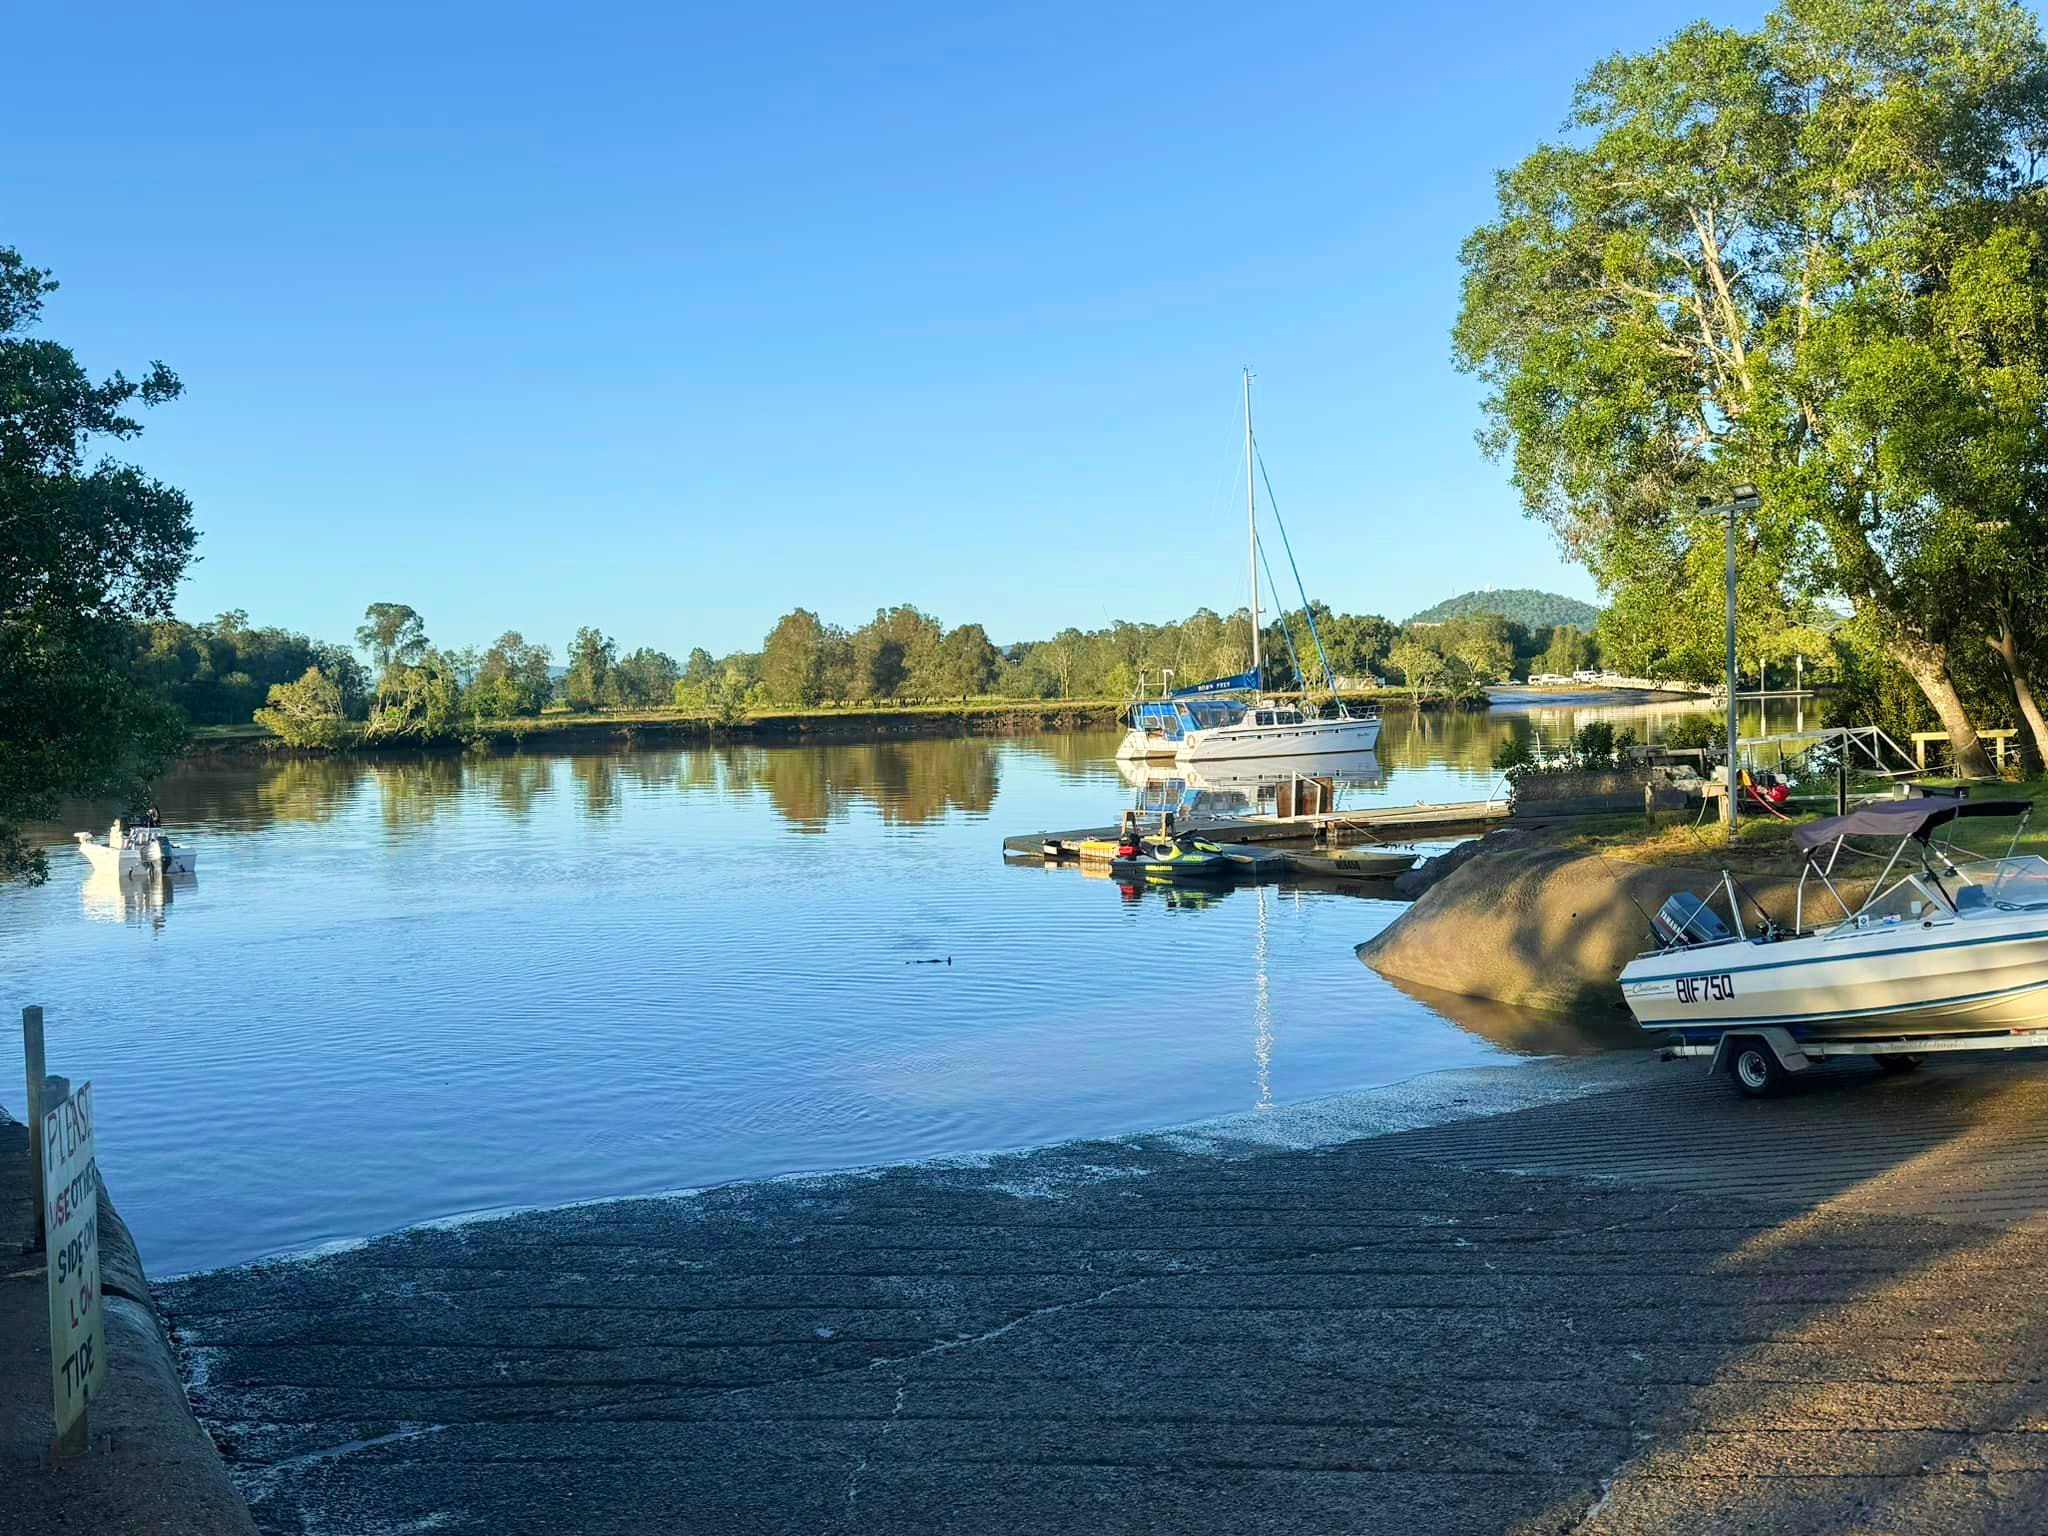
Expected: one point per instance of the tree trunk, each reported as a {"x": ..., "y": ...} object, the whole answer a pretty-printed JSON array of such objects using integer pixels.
[
  {"x": 2007, "y": 649},
  {"x": 1927, "y": 663}
]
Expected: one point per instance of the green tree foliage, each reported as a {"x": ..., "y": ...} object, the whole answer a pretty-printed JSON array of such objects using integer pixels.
[
  {"x": 392, "y": 635},
  {"x": 967, "y": 661},
  {"x": 511, "y": 679},
  {"x": 1357, "y": 643},
  {"x": 87, "y": 550},
  {"x": 419, "y": 701},
  {"x": 1567, "y": 651},
  {"x": 895, "y": 655},
  {"x": 1420, "y": 665},
  {"x": 219, "y": 672},
  {"x": 793, "y": 660},
  {"x": 1525, "y": 606},
  {"x": 646, "y": 678},
  {"x": 308, "y": 712},
  {"x": 589, "y": 684},
  {"x": 1733, "y": 272}
]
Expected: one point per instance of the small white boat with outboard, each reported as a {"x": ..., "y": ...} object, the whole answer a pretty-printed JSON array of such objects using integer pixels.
[
  {"x": 1947, "y": 944},
  {"x": 135, "y": 852}
]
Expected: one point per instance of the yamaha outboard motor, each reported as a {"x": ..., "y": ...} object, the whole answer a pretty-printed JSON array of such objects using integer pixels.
[{"x": 1685, "y": 919}]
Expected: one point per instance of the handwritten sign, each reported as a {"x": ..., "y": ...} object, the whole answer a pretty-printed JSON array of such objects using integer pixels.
[{"x": 71, "y": 1222}]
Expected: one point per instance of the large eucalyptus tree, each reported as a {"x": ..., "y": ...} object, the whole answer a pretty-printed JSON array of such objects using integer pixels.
[{"x": 1731, "y": 268}]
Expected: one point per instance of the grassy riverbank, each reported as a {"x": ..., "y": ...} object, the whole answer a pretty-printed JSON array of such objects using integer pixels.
[{"x": 1764, "y": 844}]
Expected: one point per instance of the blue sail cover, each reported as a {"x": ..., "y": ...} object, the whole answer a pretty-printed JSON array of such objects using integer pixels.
[{"x": 1244, "y": 682}]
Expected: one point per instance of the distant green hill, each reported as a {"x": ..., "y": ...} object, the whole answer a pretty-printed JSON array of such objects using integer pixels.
[{"x": 1531, "y": 609}]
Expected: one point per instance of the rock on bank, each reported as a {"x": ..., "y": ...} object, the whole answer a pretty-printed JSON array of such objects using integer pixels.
[{"x": 1527, "y": 923}]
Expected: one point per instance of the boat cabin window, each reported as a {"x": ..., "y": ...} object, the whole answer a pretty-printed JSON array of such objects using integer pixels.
[
  {"x": 1264, "y": 717},
  {"x": 1207, "y": 714},
  {"x": 1287, "y": 717}
]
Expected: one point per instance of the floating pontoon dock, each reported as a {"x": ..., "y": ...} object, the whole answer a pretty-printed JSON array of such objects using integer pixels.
[{"x": 1365, "y": 822}]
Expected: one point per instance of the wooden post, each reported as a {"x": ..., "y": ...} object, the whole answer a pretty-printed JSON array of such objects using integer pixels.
[{"x": 32, "y": 1052}]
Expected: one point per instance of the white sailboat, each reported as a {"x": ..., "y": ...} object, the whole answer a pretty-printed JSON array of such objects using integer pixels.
[{"x": 1265, "y": 728}]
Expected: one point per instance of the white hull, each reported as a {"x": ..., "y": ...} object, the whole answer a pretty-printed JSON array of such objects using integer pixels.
[
  {"x": 1972, "y": 974},
  {"x": 1144, "y": 747},
  {"x": 1306, "y": 737},
  {"x": 131, "y": 864}
]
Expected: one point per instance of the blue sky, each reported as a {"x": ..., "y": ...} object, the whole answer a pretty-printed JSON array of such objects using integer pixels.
[{"x": 669, "y": 318}]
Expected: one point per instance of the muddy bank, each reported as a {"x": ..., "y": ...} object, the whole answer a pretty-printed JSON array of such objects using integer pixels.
[{"x": 1521, "y": 921}]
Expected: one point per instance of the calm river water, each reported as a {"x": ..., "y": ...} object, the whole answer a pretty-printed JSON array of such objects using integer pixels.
[{"x": 407, "y": 989}]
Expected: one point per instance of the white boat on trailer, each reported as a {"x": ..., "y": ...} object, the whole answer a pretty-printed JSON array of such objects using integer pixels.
[
  {"x": 135, "y": 852},
  {"x": 1948, "y": 954}
]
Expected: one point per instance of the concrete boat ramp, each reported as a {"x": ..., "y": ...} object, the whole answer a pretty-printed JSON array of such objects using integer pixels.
[
  {"x": 1370, "y": 822},
  {"x": 1602, "y": 1295}
]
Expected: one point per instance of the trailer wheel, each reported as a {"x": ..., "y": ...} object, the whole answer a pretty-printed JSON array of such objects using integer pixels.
[
  {"x": 1895, "y": 1062},
  {"x": 1757, "y": 1070}
]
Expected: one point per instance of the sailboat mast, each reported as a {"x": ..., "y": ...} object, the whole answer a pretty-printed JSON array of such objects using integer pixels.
[{"x": 1251, "y": 518}]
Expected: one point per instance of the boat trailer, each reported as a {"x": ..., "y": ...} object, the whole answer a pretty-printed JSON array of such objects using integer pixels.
[{"x": 1762, "y": 1060}]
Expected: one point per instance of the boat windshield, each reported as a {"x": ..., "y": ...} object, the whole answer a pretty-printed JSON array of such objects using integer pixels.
[
  {"x": 1913, "y": 900},
  {"x": 2009, "y": 884},
  {"x": 1156, "y": 718}
]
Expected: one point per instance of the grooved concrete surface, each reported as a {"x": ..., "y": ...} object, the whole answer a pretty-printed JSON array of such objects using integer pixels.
[{"x": 1389, "y": 1334}]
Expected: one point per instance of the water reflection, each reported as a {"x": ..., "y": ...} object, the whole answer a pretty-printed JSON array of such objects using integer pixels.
[
  {"x": 908, "y": 783},
  {"x": 913, "y": 783},
  {"x": 106, "y": 897},
  {"x": 757, "y": 1017},
  {"x": 1181, "y": 898},
  {"x": 514, "y": 783},
  {"x": 1528, "y": 1032},
  {"x": 1235, "y": 789}
]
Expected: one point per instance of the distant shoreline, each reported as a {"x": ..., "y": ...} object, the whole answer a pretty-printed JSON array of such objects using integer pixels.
[{"x": 892, "y": 723}]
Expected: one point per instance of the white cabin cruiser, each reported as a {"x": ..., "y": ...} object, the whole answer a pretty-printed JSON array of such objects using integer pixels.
[
  {"x": 1198, "y": 727},
  {"x": 135, "y": 852},
  {"x": 1955, "y": 946},
  {"x": 1267, "y": 729}
]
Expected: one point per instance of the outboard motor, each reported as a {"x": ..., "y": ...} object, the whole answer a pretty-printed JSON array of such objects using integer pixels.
[{"x": 1685, "y": 919}]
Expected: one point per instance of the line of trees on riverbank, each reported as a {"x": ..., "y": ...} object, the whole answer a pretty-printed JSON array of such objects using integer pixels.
[{"x": 396, "y": 685}]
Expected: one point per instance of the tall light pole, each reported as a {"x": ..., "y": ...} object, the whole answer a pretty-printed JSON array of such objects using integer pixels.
[{"x": 1743, "y": 498}]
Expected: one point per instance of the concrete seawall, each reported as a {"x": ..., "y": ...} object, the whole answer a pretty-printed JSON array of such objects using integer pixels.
[{"x": 152, "y": 1468}]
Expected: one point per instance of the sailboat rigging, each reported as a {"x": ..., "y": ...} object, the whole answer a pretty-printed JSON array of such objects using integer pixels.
[{"x": 1194, "y": 724}]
